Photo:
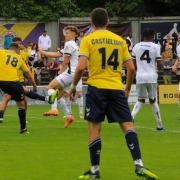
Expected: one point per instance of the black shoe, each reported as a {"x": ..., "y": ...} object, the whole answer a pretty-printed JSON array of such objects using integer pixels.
[
  {"x": 23, "y": 131},
  {"x": 90, "y": 175},
  {"x": 1, "y": 120},
  {"x": 160, "y": 129},
  {"x": 143, "y": 172}
]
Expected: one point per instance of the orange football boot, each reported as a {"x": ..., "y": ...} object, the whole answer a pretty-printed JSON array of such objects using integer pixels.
[
  {"x": 51, "y": 112},
  {"x": 69, "y": 121}
]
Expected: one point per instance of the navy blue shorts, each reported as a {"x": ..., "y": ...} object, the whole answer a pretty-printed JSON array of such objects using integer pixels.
[
  {"x": 106, "y": 102},
  {"x": 15, "y": 89}
]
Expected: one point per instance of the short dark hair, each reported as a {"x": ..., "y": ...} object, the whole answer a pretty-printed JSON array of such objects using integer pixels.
[
  {"x": 14, "y": 45},
  {"x": 148, "y": 33},
  {"x": 17, "y": 39},
  {"x": 72, "y": 28},
  {"x": 44, "y": 31},
  {"x": 99, "y": 17}
]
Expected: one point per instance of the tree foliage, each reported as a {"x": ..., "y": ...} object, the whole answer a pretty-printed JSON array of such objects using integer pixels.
[{"x": 47, "y": 10}]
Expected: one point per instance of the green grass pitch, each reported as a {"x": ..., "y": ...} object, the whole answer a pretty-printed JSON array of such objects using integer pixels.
[{"x": 51, "y": 152}]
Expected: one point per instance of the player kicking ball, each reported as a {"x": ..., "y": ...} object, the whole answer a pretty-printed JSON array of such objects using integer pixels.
[
  {"x": 105, "y": 52},
  {"x": 146, "y": 55},
  {"x": 70, "y": 59}
]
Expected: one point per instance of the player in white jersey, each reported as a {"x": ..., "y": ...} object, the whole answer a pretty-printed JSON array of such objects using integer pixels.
[
  {"x": 65, "y": 77},
  {"x": 146, "y": 55}
]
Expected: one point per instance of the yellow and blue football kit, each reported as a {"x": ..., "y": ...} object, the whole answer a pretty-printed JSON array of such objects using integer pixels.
[{"x": 106, "y": 53}]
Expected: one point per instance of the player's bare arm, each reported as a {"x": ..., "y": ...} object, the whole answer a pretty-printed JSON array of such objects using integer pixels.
[
  {"x": 31, "y": 79},
  {"x": 50, "y": 54},
  {"x": 130, "y": 75}
]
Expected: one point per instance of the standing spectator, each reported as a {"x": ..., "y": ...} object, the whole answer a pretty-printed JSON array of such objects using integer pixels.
[
  {"x": 8, "y": 39},
  {"x": 34, "y": 56},
  {"x": 81, "y": 35},
  {"x": 44, "y": 43},
  {"x": 170, "y": 43},
  {"x": 167, "y": 57}
]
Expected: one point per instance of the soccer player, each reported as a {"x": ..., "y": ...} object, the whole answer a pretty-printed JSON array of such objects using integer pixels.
[
  {"x": 70, "y": 60},
  {"x": 146, "y": 55},
  {"x": 29, "y": 93},
  {"x": 10, "y": 64},
  {"x": 105, "y": 52}
]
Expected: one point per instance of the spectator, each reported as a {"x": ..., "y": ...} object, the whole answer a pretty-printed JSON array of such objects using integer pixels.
[
  {"x": 38, "y": 65},
  {"x": 29, "y": 47},
  {"x": 81, "y": 35},
  {"x": 167, "y": 57},
  {"x": 34, "y": 56},
  {"x": 170, "y": 43},
  {"x": 8, "y": 39},
  {"x": 53, "y": 68},
  {"x": 44, "y": 42}
]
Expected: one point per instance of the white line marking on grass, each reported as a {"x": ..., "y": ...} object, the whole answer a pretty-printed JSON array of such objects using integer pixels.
[{"x": 83, "y": 121}]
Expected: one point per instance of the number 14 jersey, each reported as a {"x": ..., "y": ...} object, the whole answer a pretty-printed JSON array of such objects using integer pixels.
[
  {"x": 106, "y": 53},
  {"x": 146, "y": 54}
]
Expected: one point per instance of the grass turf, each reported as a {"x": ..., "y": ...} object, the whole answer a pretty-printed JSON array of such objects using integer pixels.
[{"x": 51, "y": 152}]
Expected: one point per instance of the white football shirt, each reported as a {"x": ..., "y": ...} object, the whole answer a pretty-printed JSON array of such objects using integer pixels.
[
  {"x": 146, "y": 54},
  {"x": 71, "y": 49}
]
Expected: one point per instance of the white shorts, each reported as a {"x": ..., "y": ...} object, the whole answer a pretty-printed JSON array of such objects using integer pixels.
[
  {"x": 148, "y": 90},
  {"x": 65, "y": 80}
]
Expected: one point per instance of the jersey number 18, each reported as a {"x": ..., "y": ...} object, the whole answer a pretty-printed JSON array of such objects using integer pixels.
[{"x": 12, "y": 60}]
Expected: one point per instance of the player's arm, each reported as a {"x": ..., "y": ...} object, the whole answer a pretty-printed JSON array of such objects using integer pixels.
[
  {"x": 28, "y": 75},
  {"x": 50, "y": 54},
  {"x": 174, "y": 67},
  {"x": 130, "y": 75},
  {"x": 82, "y": 65},
  {"x": 128, "y": 63}
]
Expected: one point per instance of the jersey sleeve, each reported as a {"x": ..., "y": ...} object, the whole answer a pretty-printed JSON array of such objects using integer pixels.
[
  {"x": 158, "y": 52},
  {"x": 68, "y": 49},
  {"x": 84, "y": 48},
  {"x": 127, "y": 55}
]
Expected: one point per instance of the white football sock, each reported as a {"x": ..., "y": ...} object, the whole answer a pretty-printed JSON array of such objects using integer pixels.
[
  {"x": 54, "y": 105},
  {"x": 50, "y": 92},
  {"x": 80, "y": 104},
  {"x": 136, "y": 108},
  {"x": 157, "y": 114},
  {"x": 68, "y": 104},
  {"x": 138, "y": 162},
  {"x": 94, "y": 169},
  {"x": 64, "y": 107}
]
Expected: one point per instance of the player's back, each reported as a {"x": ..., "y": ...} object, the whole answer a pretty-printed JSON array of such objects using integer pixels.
[
  {"x": 146, "y": 54},
  {"x": 106, "y": 52},
  {"x": 10, "y": 63}
]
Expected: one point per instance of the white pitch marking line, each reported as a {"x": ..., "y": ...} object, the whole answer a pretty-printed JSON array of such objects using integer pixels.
[{"x": 82, "y": 121}]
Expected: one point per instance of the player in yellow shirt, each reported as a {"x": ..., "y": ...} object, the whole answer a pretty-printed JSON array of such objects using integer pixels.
[
  {"x": 29, "y": 93},
  {"x": 10, "y": 64},
  {"x": 105, "y": 53}
]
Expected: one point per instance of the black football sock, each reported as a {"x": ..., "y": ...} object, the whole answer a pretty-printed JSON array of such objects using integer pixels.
[
  {"x": 22, "y": 118},
  {"x": 133, "y": 144},
  {"x": 1, "y": 114},
  {"x": 34, "y": 95},
  {"x": 95, "y": 151}
]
